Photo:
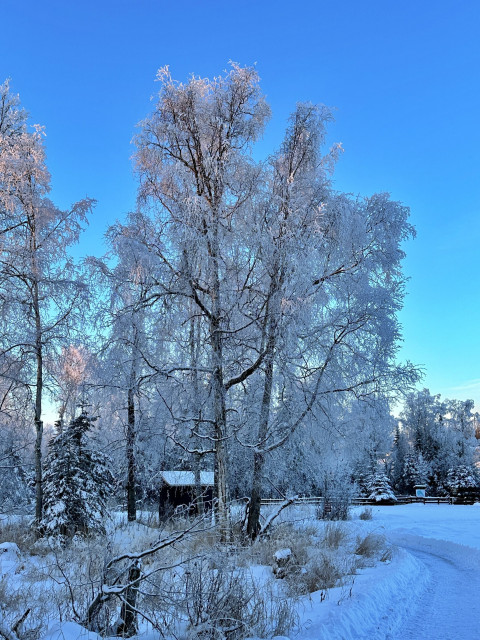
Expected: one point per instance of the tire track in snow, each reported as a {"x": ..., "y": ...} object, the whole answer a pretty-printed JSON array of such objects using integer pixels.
[{"x": 449, "y": 607}]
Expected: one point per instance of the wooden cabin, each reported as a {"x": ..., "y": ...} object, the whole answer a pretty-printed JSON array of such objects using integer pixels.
[{"x": 177, "y": 491}]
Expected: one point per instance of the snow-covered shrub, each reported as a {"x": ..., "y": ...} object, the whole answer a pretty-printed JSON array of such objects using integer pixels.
[
  {"x": 77, "y": 482},
  {"x": 283, "y": 559},
  {"x": 283, "y": 536},
  {"x": 316, "y": 562},
  {"x": 219, "y": 602},
  {"x": 337, "y": 493},
  {"x": 366, "y": 514},
  {"x": 463, "y": 483},
  {"x": 323, "y": 570},
  {"x": 228, "y": 602},
  {"x": 72, "y": 573},
  {"x": 212, "y": 598}
]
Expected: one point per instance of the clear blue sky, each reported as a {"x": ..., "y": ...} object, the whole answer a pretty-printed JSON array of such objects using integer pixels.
[{"x": 404, "y": 78}]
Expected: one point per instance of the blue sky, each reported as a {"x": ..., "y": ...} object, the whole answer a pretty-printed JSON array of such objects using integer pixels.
[{"x": 404, "y": 78}]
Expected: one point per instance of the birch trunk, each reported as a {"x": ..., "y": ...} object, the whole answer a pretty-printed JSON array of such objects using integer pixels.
[
  {"x": 131, "y": 462},
  {"x": 220, "y": 414},
  {"x": 253, "y": 523},
  {"x": 197, "y": 465},
  {"x": 132, "y": 425},
  {"x": 38, "y": 395}
]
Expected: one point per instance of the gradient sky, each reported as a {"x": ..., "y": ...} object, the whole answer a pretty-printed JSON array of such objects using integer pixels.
[{"x": 404, "y": 78}]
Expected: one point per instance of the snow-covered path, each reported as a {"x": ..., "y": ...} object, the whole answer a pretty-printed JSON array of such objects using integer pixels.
[
  {"x": 430, "y": 590},
  {"x": 449, "y": 608}
]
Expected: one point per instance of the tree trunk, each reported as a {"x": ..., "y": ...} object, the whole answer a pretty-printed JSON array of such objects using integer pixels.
[
  {"x": 131, "y": 487},
  {"x": 131, "y": 462},
  {"x": 221, "y": 463},
  {"x": 94, "y": 610},
  {"x": 198, "y": 486},
  {"x": 220, "y": 414},
  {"x": 253, "y": 523},
  {"x": 38, "y": 472},
  {"x": 38, "y": 408},
  {"x": 127, "y": 626},
  {"x": 194, "y": 338}
]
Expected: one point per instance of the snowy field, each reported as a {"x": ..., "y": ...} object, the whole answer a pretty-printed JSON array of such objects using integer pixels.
[{"x": 427, "y": 590}]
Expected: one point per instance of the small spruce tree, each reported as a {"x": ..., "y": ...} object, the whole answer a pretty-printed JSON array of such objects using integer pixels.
[
  {"x": 77, "y": 482},
  {"x": 363, "y": 483},
  {"x": 381, "y": 491}
]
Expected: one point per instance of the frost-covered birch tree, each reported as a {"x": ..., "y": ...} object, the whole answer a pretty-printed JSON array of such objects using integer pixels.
[
  {"x": 295, "y": 286},
  {"x": 39, "y": 287},
  {"x": 129, "y": 342},
  {"x": 195, "y": 170}
]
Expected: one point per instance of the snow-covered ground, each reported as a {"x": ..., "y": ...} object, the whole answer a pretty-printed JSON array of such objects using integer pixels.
[
  {"x": 453, "y": 523},
  {"x": 428, "y": 592}
]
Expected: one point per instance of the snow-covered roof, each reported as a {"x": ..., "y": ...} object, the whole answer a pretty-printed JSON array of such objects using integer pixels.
[{"x": 186, "y": 478}]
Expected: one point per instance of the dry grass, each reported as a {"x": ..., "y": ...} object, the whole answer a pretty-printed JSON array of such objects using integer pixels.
[
  {"x": 334, "y": 535},
  {"x": 366, "y": 514},
  {"x": 39, "y": 599},
  {"x": 19, "y": 532},
  {"x": 322, "y": 562},
  {"x": 387, "y": 555},
  {"x": 207, "y": 585},
  {"x": 323, "y": 571},
  {"x": 213, "y": 598},
  {"x": 370, "y": 547},
  {"x": 282, "y": 537}
]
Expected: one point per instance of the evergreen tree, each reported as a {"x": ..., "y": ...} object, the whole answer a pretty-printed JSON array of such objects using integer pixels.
[
  {"x": 462, "y": 482},
  {"x": 415, "y": 471},
  {"x": 364, "y": 484},
  {"x": 77, "y": 482},
  {"x": 381, "y": 491},
  {"x": 399, "y": 456},
  {"x": 15, "y": 495},
  {"x": 363, "y": 476}
]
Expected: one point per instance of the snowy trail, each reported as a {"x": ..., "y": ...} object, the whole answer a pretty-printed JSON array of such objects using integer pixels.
[{"x": 449, "y": 608}]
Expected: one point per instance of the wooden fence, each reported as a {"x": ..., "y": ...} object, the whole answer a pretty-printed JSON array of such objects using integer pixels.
[{"x": 318, "y": 500}]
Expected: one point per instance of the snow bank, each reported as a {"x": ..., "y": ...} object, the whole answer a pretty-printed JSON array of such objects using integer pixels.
[
  {"x": 9, "y": 557},
  {"x": 69, "y": 631},
  {"x": 282, "y": 554}
]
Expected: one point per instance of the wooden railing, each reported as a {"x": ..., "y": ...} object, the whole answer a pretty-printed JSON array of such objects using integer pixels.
[
  {"x": 317, "y": 500},
  {"x": 426, "y": 500}
]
